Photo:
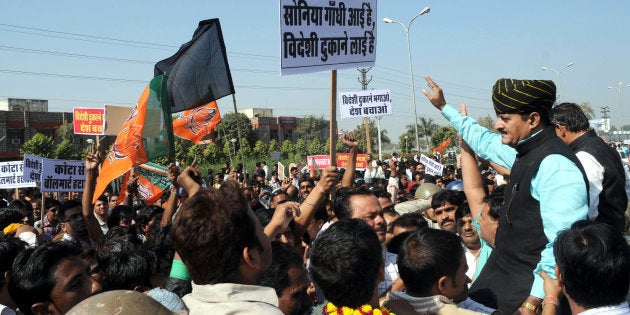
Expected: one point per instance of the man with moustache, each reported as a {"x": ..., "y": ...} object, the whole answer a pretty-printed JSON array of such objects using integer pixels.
[
  {"x": 548, "y": 190},
  {"x": 445, "y": 204}
]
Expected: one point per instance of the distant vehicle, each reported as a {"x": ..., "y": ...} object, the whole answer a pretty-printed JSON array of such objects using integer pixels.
[{"x": 624, "y": 159}]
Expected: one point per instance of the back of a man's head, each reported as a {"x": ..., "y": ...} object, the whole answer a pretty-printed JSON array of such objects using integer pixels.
[
  {"x": 594, "y": 263},
  {"x": 426, "y": 256},
  {"x": 346, "y": 261},
  {"x": 210, "y": 232},
  {"x": 571, "y": 116},
  {"x": 341, "y": 201}
]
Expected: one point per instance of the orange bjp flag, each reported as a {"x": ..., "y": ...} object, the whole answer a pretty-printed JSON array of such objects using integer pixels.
[
  {"x": 196, "y": 123},
  {"x": 442, "y": 146}
]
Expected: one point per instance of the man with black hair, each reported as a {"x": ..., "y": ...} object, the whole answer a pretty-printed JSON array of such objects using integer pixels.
[
  {"x": 73, "y": 225},
  {"x": 606, "y": 176},
  {"x": 445, "y": 204},
  {"x": 593, "y": 263},
  {"x": 305, "y": 186},
  {"x": 347, "y": 265},
  {"x": 225, "y": 251},
  {"x": 548, "y": 190},
  {"x": 361, "y": 203},
  {"x": 433, "y": 267},
  {"x": 10, "y": 247},
  {"x": 470, "y": 239},
  {"x": 289, "y": 278},
  {"x": 50, "y": 279}
]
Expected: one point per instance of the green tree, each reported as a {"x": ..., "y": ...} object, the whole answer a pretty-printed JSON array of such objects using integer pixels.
[
  {"x": 316, "y": 147},
  {"x": 300, "y": 147},
  {"x": 39, "y": 145},
  {"x": 406, "y": 141},
  {"x": 212, "y": 154},
  {"x": 227, "y": 129},
  {"x": 181, "y": 149},
  {"x": 311, "y": 127},
  {"x": 65, "y": 132},
  {"x": 426, "y": 127},
  {"x": 287, "y": 149},
  {"x": 195, "y": 151},
  {"x": 245, "y": 150},
  {"x": 273, "y": 145},
  {"x": 260, "y": 150},
  {"x": 66, "y": 150},
  {"x": 444, "y": 133}
]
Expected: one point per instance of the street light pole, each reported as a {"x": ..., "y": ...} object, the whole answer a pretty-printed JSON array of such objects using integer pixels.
[
  {"x": 413, "y": 87},
  {"x": 558, "y": 75},
  {"x": 620, "y": 88}
]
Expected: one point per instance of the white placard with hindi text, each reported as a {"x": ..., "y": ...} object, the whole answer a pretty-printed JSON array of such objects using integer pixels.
[
  {"x": 11, "y": 175},
  {"x": 368, "y": 103},
  {"x": 317, "y": 35},
  {"x": 431, "y": 166},
  {"x": 63, "y": 175}
]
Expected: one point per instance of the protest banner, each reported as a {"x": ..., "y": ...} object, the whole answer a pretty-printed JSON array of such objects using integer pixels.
[
  {"x": 88, "y": 121},
  {"x": 115, "y": 117},
  {"x": 368, "y": 103},
  {"x": 323, "y": 161},
  {"x": 62, "y": 175},
  {"x": 318, "y": 35},
  {"x": 152, "y": 181},
  {"x": 11, "y": 175},
  {"x": 32, "y": 168},
  {"x": 431, "y": 166}
]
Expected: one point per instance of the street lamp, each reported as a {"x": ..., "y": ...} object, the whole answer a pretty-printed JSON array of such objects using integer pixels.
[
  {"x": 558, "y": 74},
  {"x": 233, "y": 147},
  {"x": 413, "y": 87},
  {"x": 620, "y": 88},
  {"x": 406, "y": 149}
]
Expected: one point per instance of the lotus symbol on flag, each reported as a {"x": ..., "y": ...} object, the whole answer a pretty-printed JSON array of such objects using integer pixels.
[{"x": 199, "y": 118}]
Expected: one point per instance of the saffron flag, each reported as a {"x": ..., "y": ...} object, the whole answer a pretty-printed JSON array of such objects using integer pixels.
[
  {"x": 196, "y": 123},
  {"x": 199, "y": 72},
  {"x": 442, "y": 146},
  {"x": 146, "y": 134},
  {"x": 152, "y": 181}
]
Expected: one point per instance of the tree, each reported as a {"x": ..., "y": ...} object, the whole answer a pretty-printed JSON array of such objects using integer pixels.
[
  {"x": 212, "y": 154},
  {"x": 359, "y": 133},
  {"x": 260, "y": 150},
  {"x": 66, "y": 150},
  {"x": 287, "y": 149},
  {"x": 273, "y": 145},
  {"x": 443, "y": 133},
  {"x": 227, "y": 129},
  {"x": 39, "y": 145},
  {"x": 300, "y": 147},
  {"x": 245, "y": 150},
  {"x": 311, "y": 127},
  {"x": 427, "y": 127},
  {"x": 316, "y": 147},
  {"x": 406, "y": 141},
  {"x": 195, "y": 151},
  {"x": 588, "y": 110}
]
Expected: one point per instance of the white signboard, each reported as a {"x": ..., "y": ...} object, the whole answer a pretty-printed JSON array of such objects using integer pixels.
[
  {"x": 431, "y": 167},
  {"x": 33, "y": 167},
  {"x": 369, "y": 103},
  {"x": 63, "y": 175},
  {"x": 11, "y": 175},
  {"x": 318, "y": 35}
]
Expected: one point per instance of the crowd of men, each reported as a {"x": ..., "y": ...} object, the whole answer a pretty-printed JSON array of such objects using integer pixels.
[{"x": 531, "y": 221}]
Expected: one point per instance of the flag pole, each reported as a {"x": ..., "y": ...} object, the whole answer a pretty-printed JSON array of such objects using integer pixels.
[
  {"x": 333, "y": 117},
  {"x": 238, "y": 131}
]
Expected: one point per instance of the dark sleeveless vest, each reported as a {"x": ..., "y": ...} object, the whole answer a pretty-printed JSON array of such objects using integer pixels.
[
  {"x": 613, "y": 199},
  {"x": 506, "y": 279}
]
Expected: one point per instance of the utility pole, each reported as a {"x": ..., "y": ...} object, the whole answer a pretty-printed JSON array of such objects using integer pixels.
[
  {"x": 366, "y": 121},
  {"x": 605, "y": 118}
]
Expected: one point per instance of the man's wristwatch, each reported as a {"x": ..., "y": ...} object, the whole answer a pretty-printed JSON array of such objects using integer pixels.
[{"x": 532, "y": 307}]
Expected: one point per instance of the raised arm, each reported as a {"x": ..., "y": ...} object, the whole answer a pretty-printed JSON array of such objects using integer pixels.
[
  {"x": 350, "y": 141},
  {"x": 321, "y": 191},
  {"x": 473, "y": 182},
  {"x": 171, "y": 205},
  {"x": 92, "y": 160}
]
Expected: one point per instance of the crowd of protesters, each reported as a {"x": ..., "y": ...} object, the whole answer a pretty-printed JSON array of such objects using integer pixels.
[{"x": 520, "y": 220}]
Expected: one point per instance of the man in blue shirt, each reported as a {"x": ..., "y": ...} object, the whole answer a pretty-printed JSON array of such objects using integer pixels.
[{"x": 546, "y": 194}]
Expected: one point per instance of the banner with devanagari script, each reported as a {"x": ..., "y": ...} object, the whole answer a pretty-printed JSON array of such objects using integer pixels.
[
  {"x": 11, "y": 175},
  {"x": 33, "y": 168},
  {"x": 317, "y": 35},
  {"x": 88, "y": 121},
  {"x": 368, "y": 103},
  {"x": 62, "y": 175}
]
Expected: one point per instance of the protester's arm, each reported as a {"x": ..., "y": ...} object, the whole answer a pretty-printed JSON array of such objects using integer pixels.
[
  {"x": 189, "y": 179},
  {"x": 281, "y": 218},
  {"x": 321, "y": 191},
  {"x": 130, "y": 192},
  {"x": 473, "y": 182},
  {"x": 92, "y": 161},
  {"x": 392, "y": 181},
  {"x": 562, "y": 193},
  {"x": 553, "y": 292},
  {"x": 351, "y": 142},
  {"x": 171, "y": 204},
  {"x": 483, "y": 141}
]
